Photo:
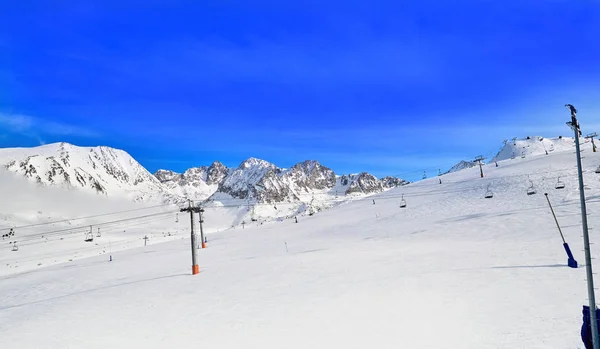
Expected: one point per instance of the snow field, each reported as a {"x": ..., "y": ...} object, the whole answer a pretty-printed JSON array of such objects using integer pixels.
[{"x": 452, "y": 270}]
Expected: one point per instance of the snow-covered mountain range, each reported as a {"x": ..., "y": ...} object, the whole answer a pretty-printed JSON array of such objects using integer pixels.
[
  {"x": 113, "y": 172},
  {"x": 261, "y": 181},
  {"x": 102, "y": 170}
]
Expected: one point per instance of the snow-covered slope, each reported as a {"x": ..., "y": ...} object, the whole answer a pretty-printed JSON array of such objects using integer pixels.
[
  {"x": 535, "y": 146},
  {"x": 490, "y": 272},
  {"x": 101, "y": 170},
  {"x": 522, "y": 148},
  {"x": 25, "y": 202},
  {"x": 50, "y": 222},
  {"x": 461, "y": 166}
]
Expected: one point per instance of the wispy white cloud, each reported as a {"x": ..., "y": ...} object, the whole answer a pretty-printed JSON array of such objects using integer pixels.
[
  {"x": 16, "y": 123},
  {"x": 39, "y": 128}
]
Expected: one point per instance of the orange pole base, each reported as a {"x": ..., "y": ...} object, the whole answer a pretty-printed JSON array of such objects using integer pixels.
[
  {"x": 195, "y": 269},
  {"x": 204, "y": 245}
]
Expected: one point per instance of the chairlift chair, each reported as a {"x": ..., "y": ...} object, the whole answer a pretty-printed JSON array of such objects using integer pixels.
[
  {"x": 15, "y": 247},
  {"x": 402, "y": 202},
  {"x": 522, "y": 155},
  {"x": 531, "y": 190},
  {"x": 488, "y": 194},
  {"x": 89, "y": 237},
  {"x": 559, "y": 184},
  {"x": 598, "y": 169}
]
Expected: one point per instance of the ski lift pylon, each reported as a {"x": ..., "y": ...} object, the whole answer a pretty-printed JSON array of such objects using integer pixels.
[{"x": 559, "y": 184}]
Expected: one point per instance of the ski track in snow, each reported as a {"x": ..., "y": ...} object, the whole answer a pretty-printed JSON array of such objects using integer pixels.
[{"x": 451, "y": 270}]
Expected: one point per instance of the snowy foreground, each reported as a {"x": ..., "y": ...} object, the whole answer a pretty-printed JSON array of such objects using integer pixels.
[{"x": 451, "y": 270}]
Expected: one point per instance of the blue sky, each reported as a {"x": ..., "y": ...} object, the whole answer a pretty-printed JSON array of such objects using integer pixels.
[{"x": 390, "y": 87}]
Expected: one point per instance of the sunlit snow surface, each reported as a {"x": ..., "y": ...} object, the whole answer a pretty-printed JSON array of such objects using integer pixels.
[{"x": 451, "y": 270}]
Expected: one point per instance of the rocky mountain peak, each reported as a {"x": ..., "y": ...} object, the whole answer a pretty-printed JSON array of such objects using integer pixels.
[
  {"x": 166, "y": 175},
  {"x": 254, "y": 162},
  {"x": 195, "y": 173},
  {"x": 240, "y": 182},
  {"x": 216, "y": 173},
  {"x": 310, "y": 174},
  {"x": 392, "y": 182},
  {"x": 308, "y": 165},
  {"x": 364, "y": 183}
]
